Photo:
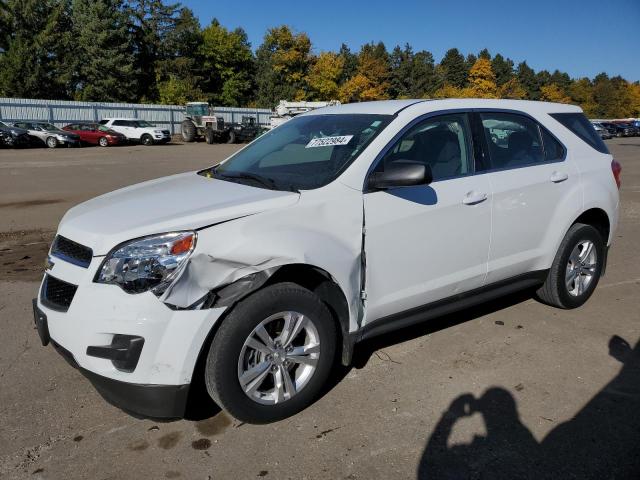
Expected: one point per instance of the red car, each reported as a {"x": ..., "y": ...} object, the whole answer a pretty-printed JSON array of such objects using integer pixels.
[{"x": 96, "y": 134}]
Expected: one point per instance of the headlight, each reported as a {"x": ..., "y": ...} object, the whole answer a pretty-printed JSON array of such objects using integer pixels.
[
  {"x": 149, "y": 263},
  {"x": 62, "y": 138},
  {"x": 15, "y": 133},
  {"x": 158, "y": 131}
]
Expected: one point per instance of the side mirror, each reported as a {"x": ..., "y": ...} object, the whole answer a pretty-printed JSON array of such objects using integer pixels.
[{"x": 401, "y": 174}]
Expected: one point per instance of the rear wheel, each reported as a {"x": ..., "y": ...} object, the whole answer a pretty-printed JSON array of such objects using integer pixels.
[
  {"x": 576, "y": 270},
  {"x": 103, "y": 142},
  {"x": 209, "y": 136},
  {"x": 51, "y": 142},
  {"x": 272, "y": 355},
  {"x": 146, "y": 139},
  {"x": 188, "y": 130}
]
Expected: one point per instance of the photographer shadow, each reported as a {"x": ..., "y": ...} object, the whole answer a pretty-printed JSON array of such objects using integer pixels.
[{"x": 601, "y": 441}]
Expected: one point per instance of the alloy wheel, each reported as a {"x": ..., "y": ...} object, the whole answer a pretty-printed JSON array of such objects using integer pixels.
[
  {"x": 279, "y": 358},
  {"x": 581, "y": 268}
]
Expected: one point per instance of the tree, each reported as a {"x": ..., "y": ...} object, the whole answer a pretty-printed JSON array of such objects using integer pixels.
[
  {"x": 553, "y": 93},
  {"x": 528, "y": 81},
  {"x": 151, "y": 24},
  {"x": 561, "y": 79},
  {"x": 454, "y": 69},
  {"x": 103, "y": 60},
  {"x": 282, "y": 63},
  {"x": 449, "y": 91},
  {"x": 371, "y": 80},
  {"x": 502, "y": 68},
  {"x": 581, "y": 92},
  {"x": 482, "y": 81},
  {"x": 512, "y": 89},
  {"x": 484, "y": 53},
  {"x": 179, "y": 73},
  {"x": 34, "y": 63},
  {"x": 324, "y": 75},
  {"x": 227, "y": 65},
  {"x": 350, "y": 63},
  {"x": 412, "y": 75}
]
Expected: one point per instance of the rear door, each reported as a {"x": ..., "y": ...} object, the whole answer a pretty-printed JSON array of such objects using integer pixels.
[
  {"x": 428, "y": 242},
  {"x": 531, "y": 179}
]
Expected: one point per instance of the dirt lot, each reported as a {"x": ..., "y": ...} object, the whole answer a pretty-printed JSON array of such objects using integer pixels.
[{"x": 514, "y": 389}]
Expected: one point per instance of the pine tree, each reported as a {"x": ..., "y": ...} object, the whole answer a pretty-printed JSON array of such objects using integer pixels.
[
  {"x": 502, "y": 68},
  {"x": 454, "y": 68},
  {"x": 37, "y": 49},
  {"x": 350, "y": 63},
  {"x": 104, "y": 60},
  {"x": 527, "y": 79}
]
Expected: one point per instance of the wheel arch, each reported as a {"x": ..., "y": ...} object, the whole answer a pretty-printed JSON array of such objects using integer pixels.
[{"x": 597, "y": 218}]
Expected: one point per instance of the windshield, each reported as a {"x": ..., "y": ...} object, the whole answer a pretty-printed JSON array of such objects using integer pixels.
[
  {"x": 48, "y": 127},
  {"x": 2, "y": 124},
  {"x": 198, "y": 110},
  {"x": 102, "y": 128},
  {"x": 304, "y": 153},
  {"x": 144, "y": 124}
]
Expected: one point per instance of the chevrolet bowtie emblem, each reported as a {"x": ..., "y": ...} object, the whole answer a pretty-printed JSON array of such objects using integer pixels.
[{"x": 48, "y": 263}]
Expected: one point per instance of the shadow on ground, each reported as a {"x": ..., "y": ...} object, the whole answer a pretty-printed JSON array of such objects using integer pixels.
[{"x": 601, "y": 442}]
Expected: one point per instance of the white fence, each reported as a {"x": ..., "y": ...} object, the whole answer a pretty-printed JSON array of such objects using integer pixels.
[{"x": 61, "y": 113}]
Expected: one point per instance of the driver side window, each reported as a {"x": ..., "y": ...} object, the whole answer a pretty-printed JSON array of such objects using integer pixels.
[{"x": 440, "y": 142}]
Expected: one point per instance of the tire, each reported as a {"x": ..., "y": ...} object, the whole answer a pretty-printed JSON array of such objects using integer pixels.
[
  {"x": 228, "y": 354},
  {"x": 558, "y": 289},
  {"x": 51, "y": 142},
  {"x": 209, "y": 136},
  {"x": 103, "y": 142},
  {"x": 232, "y": 137},
  {"x": 188, "y": 130},
  {"x": 146, "y": 139}
]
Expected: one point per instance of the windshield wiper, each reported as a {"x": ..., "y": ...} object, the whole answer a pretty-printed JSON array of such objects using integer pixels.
[{"x": 265, "y": 181}]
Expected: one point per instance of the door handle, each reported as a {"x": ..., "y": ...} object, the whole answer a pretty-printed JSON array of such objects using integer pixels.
[
  {"x": 473, "y": 198},
  {"x": 557, "y": 177}
]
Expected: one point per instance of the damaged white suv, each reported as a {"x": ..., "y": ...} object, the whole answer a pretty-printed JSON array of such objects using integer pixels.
[{"x": 253, "y": 276}]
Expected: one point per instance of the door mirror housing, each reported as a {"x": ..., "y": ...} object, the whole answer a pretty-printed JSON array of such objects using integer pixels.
[{"x": 401, "y": 174}]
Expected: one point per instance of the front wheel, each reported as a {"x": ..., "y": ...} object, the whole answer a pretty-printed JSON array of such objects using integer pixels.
[
  {"x": 52, "y": 142},
  {"x": 272, "y": 354},
  {"x": 576, "y": 269},
  {"x": 147, "y": 139},
  {"x": 232, "y": 137},
  {"x": 103, "y": 142}
]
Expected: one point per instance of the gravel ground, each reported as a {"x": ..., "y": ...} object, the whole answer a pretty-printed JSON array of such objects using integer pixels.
[{"x": 512, "y": 389}]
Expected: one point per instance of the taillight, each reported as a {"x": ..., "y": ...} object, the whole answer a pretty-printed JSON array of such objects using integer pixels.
[{"x": 616, "y": 168}]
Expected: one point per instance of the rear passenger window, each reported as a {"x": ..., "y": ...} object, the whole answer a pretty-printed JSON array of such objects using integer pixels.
[
  {"x": 441, "y": 142},
  {"x": 553, "y": 149},
  {"x": 514, "y": 140},
  {"x": 580, "y": 126},
  {"x": 120, "y": 123}
]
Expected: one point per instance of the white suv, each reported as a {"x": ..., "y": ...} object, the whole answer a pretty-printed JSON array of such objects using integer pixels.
[
  {"x": 252, "y": 276},
  {"x": 138, "y": 130}
]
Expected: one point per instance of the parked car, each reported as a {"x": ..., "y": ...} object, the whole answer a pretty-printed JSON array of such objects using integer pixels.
[
  {"x": 252, "y": 276},
  {"x": 48, "y": 134},
  {"x": 630, "y": 126},
  {"x": 604, "y": 133},
  {"x": 619, "y": 130},
  {"x": 137, "y": 130},
  {"x": 96, "y": 134},
  {"x": 13, "y": 136}
]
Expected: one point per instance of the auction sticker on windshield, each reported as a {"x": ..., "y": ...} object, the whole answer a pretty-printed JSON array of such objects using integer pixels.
[{"x": 329, "y": 141}]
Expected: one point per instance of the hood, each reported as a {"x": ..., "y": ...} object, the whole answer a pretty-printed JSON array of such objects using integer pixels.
[
  {"x": 9, "y": 129},
  {"x": 179, "y": 202}
]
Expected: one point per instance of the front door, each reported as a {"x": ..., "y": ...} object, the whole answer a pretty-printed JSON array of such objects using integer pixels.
[{"x": 426, "y": 243}]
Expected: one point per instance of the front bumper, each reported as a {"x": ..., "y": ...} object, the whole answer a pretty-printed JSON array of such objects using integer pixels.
[
  {"x": 99, "y": 314},
  {"x": 152, "y": 401}
]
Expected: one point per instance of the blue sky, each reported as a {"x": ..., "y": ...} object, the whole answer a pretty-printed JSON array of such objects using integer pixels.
[{"x": 581, "y": 37}]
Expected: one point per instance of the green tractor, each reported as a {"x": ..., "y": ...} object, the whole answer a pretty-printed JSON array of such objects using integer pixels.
[{"x": 199, "y": 122}]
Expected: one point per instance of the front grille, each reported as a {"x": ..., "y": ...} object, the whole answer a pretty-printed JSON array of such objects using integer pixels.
[
  {"x": 71, "y": 251},
  {"x": 57, "y": 294},
  {"x": 166, "y": 132}
]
